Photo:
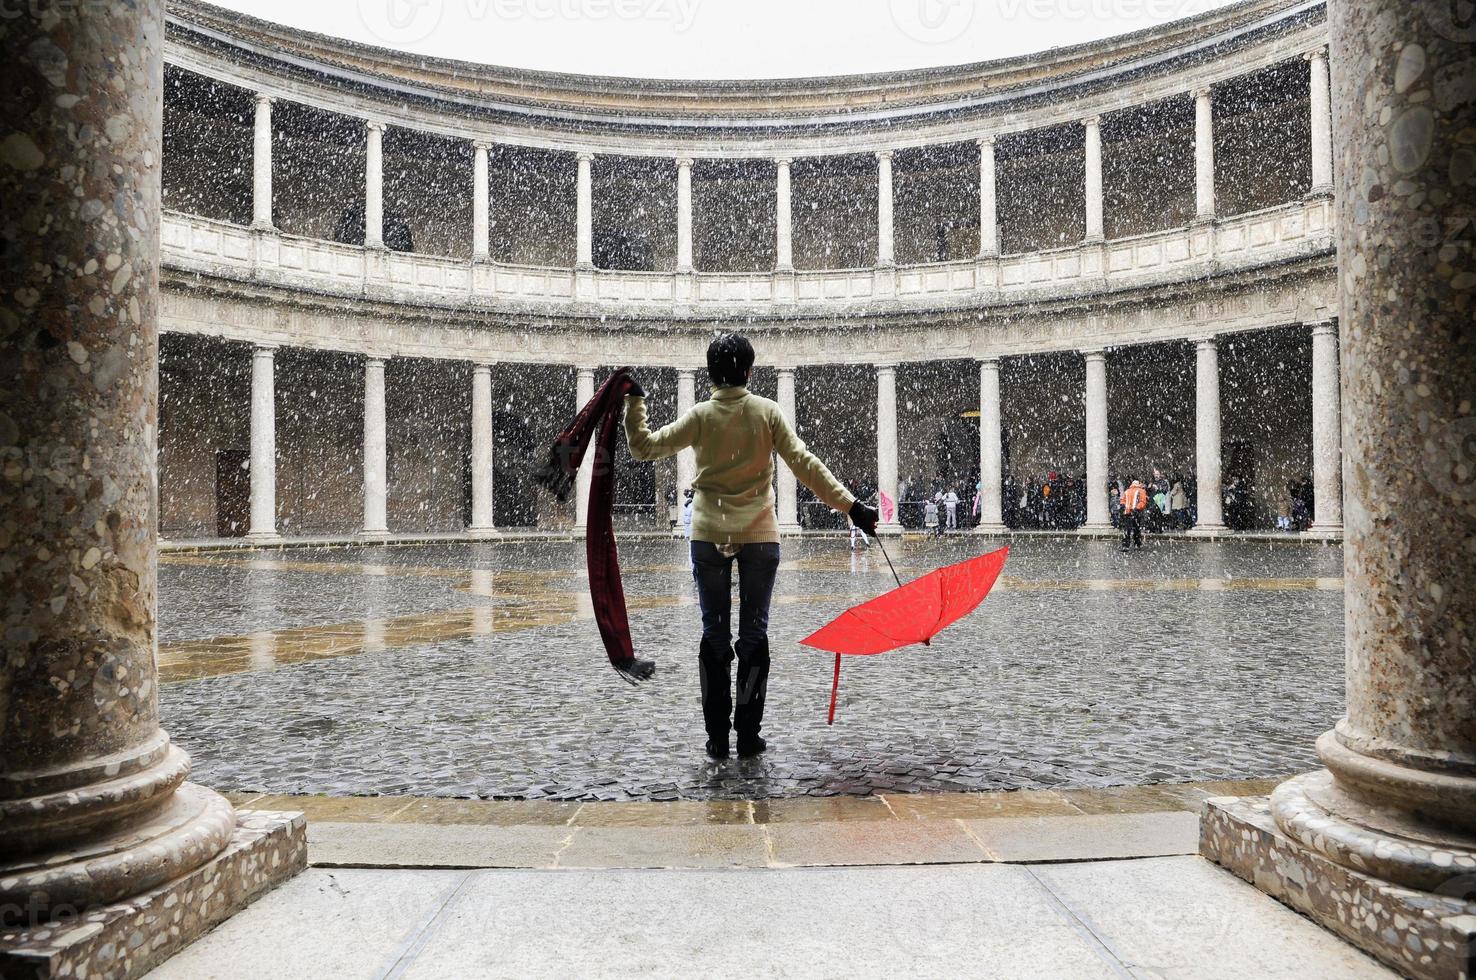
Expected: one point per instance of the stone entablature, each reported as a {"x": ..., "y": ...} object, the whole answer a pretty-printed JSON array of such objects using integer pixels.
[{"x": 1261, "y": 239}]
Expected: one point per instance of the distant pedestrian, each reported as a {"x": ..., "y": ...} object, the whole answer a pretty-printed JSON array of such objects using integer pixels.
[
  {"x": 950, "y": 505},
  {"x": 1134, "y": 503},
  {"x": 930, "y": 517},
  {"x": 1179, "y": 505}
]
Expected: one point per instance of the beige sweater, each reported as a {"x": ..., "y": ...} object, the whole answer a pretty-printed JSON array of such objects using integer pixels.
[{"x": 735, "y": 435}]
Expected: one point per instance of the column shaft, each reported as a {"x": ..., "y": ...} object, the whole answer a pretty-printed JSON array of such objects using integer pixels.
[
  {"x": 263, "y": 442},
  {"x": 787, "y": 502},
  {"x": 481, "y": 452},
  {"x": 783, "y": 216},
  {"x": 1096, "y": 439},
  {"x": 584, "y": 389},
  {"x": 481, "y": 203},
  {"x": 584, "y": 213},
  {"x": 261, "y": 165},
  {"x": 684, "y": 215},
  {"x": 375, "y": 461},
  {"x": 1207, "y": 436},
  {"x": 991, "y": 449},
  {"x": 988, "y": 204},
  {"x": 374, "y": 185},
  {"x": 885, "y": 252},
  {"x": 1093, "y": 145},
  {"x": 886, "y": 444},
  {"x": 686, "y": 459},
  {"x": 1204, "y": 154},
  {"x": 1321, "y": 122},
  {"x": 1327, "y": 435}
]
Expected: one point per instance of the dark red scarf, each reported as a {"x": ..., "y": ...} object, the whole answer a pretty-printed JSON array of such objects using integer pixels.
[{"x": 557, "y": 474}]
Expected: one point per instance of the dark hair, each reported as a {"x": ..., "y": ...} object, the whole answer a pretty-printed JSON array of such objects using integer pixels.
[{"x": 729, "y": 359}]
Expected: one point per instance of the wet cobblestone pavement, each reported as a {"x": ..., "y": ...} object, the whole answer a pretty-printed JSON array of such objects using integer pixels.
[{"x": 475, "y": 670}]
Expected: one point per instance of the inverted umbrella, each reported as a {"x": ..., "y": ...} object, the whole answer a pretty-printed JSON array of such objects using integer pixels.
[{"x": 911, "y": 613}]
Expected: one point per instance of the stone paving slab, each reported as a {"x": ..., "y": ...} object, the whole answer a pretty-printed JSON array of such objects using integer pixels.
[
  {"x": 381, "y": 845},
  {"x": 1093, "y": 837}
]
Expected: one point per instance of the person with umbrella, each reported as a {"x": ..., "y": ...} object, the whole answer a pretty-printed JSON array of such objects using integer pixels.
[{"x": 735, "y": 435}]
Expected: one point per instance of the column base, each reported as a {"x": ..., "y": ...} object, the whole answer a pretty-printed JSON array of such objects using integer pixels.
[
  {"x": 487, "y": 533},
  {"x": 990, "y": 529},
  {"x": 893, "y": 530},
  {"x": 1420, "y": 934},
  {"x": 265, "y": 226},
  {"x": 1330, "y": 529},
  {"x": 1096, "y": 529},
  {"x": 128, "y": 938},
  {"x": 1207, "y": 531},
  {"x": 1319, "y": 191},
  {"x": 264, "y": 537},
  {"x": 374, "y": 535}
]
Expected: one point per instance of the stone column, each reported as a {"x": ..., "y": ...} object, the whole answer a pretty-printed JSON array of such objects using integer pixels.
[
  {"x": 374, "y": 185},
  {"x": 684, "y": 214},
  {"x": 584, "y": 389},
  {"x": 1396, "y": 805},
  {"x": 787, "y": 502},
  {"x": 1204, "y": 155},
  {"x": 1096, "y": 439},
  {"x": 1092, "y": 127},
  {"x": 886, "y": 442},
  {"x": 988, "y": 205},
  {"x": 885, "y": 252},
  {"x": 783, "y": 208},
  {"x": 481, "y": 202},
  {"x": 482, "y": 523},
  {"x": 375, "y": 462},
  {"x": 261, "y": 166},
  {"x": 584, "y": 214},
  {"x": 1327, "y": 435},
  {"x": 686, "y": 400},
  {"x": 991, "y": 450},
  {"x": 1321, "y": 123},
  {"x": 263, "y": 442},
  {"x": 94, "y": 807},
  {"x": 1207, "y": 437}
]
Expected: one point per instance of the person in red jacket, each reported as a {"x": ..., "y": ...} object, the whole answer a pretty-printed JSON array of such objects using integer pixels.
[{"x": 1134, "y": 502}]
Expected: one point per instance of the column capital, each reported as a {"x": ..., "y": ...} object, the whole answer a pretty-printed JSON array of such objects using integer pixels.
[
  {"x": 375, "y": 360},
  {"x": 1094, "y": 353},
  {"x": 785, "y": 369},
  {"x": 589, "y": 371},
  {"x": 1328, "y": 327},
  {"x": 686, "y": 372},
  {"x": 886, "y": 367},
  {"x": 264, "y": 349},
  {"x": 481, "y": 367},
  {"x": 584, "y": 156},
  {"x": 684, "y": 161},
  {"x": 1319, "y": 53},
  {"x": 1092, "y": 121},
  {"x": 989, "y": 362},
  {"x": 988, "y": 140},
  {"x": 884, "y": 154},
  {"x": 1203, "y": 91},
  {"x": 1209, "y": 342},
  {"x": 264, "y": 100},
  {"x": 482, "y": 144},
  {"x": 784, "y": 161},
  {"x": 374, "y": 125}
]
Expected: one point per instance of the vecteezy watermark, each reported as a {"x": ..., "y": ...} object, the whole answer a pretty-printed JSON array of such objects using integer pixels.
[
  {"x": 403, "y": 22},
  {"x": 932, "y": 21}
]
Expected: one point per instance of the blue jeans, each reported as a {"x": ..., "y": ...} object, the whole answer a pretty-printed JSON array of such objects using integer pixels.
[{"x": 758, "y": 564}]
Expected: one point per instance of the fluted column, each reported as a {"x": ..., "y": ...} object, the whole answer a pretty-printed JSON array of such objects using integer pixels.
[
  {"x": 374, "y": 185},
  {"x": 1321, "y": 122},
  {"x": 263, "y": 442},
  {"x": 1327, "y": 435},
  {"x": 584, "y": 389},
  {"x": 375, "y": 462},
  {"x": 991, "y": 449},
  {"x": 1207, "y": 437},
  {"x": 481, "y": 450},
  {"x": 885, "y": 250},
  {"x": 988, "y": 203},
  {"x": 686, "y": 400},
  {"x": 783, "y": 215},
  {"x": 481, "y": 202},
  {"x": 584, "y": 213},
  {"x": 261, "y": 165},
  {"x": 684, "y": 214},
  {"x": 1092, "y": 127},
  {"x": 787, "y": 503},
  {"x": 1204, "y": 154},
  {"x": 886, "y": 442},
  {"x": 1096, "y": 439}
]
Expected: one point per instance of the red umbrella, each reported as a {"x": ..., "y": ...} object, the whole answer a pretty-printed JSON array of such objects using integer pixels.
[{"x": 911, "y": 613}]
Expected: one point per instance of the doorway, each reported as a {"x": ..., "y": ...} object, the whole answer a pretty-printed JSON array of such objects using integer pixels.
[{"x": 232, "y": 492}]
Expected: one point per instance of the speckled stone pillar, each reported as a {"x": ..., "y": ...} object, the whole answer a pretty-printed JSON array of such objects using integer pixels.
[
  {"x": 94, "y": 806},
  {"x": 1381, "y": 845}
]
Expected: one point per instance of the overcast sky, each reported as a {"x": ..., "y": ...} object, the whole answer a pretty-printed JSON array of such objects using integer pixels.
[{"x": 722, "y": 38}]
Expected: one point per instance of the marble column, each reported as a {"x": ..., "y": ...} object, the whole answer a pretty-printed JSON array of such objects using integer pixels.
[
  {"x": 1096, "y": 439},
  {"x": 94, "y": 807},
  {"x": 375, "y": 461},
  {"x": 482, "y": 522},
  {"x": 263, "y": 442},
  {"x": 684, "y": 214},
  {"x": 988, "y": 201},
  {"x": 783, "y": 216},
  {"x": 584, "y": 213},
  {"x": 1204, "y": 155},
  {"x": 1092, "y": 130},
  {"x": 1321, "y": 122},
  {"x": 1207, "y": 437},
  {"x": 261, "y": 165},
  {"x": 885, "y": 250},
  {"x": 1327, "y": 435},
  {"x": 481, "y": 202},
  {"x": 991, "y": 450},
  {"x": 1396, "y": 804},
  {"x": 374, "y": 185},
  {"x": 584, "y": 389},
  {"x": 787, "y": 494},
  {"x": 886, "y": 443},
  {"x": 686, "y": 459}
]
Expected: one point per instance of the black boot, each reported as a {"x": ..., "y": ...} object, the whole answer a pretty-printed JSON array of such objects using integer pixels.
[
  {"x": 713, "y": 663},
  {"x": 753, "y": 684}
]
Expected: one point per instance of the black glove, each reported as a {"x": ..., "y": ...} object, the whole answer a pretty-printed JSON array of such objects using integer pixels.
[
  {"x": 636, "y": 670},
  {"x": 636, "y": 391},
  {"x": 864, "y": 517}
]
